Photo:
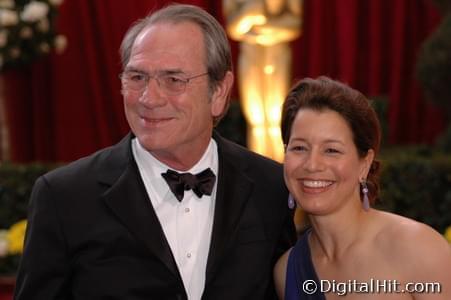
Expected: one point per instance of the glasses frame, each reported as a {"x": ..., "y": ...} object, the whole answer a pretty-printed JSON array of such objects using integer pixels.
[{"x": 157, "y": 78}]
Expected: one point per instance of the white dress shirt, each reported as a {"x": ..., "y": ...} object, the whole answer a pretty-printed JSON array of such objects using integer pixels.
[{"x": 187, "y": 225}]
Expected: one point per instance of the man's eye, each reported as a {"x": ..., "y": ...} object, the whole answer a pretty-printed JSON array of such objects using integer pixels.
[
  {"x": 137, "y": 77},
  {"x": 173, "y": 79}
]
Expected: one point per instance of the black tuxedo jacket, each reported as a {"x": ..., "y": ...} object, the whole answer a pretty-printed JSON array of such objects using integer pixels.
[{"x": 93, "y": 233}]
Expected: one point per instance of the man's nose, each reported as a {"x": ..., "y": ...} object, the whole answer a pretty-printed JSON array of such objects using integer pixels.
[{"x": 152, "y": 95}]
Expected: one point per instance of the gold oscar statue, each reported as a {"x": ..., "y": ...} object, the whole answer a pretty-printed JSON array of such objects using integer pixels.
[{"x": 264, "y": 29}]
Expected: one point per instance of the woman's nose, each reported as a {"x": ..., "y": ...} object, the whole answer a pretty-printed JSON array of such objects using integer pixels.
[{"x": 313, "y": 162}]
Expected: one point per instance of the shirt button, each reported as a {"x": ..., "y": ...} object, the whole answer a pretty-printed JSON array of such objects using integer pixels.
[
  {"x": 188, "y": 255},
  {"x": 187, "y": 210}
]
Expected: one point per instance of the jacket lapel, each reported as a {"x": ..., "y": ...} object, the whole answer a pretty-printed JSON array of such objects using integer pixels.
[
  {"x": 233, "y": 191},
  {"x": 128, "y": 200}
]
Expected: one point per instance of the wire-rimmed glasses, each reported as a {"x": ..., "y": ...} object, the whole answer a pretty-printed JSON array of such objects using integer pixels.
[{"x": 169, "y": 83}]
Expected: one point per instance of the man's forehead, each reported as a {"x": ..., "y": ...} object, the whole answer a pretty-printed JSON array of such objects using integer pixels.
[
  {"x": 169, "y": 26},
  {"x": 172, "y": 44}
]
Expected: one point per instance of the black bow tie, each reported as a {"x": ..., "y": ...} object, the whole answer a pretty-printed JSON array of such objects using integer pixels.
[{"x": 201, "y": 184}]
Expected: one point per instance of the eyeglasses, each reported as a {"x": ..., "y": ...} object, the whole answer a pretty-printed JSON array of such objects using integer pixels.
[{"x": 170, "y": 84}]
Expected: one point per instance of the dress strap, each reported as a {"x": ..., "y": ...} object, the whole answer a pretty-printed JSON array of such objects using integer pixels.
[{"x": 300, "y": 271}]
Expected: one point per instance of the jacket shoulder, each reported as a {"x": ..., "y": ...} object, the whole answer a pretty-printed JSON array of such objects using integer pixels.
[{"x": 91, "y": 166}]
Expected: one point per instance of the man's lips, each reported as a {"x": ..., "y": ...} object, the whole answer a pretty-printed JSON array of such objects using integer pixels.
[{"x": 156, "y": 121}]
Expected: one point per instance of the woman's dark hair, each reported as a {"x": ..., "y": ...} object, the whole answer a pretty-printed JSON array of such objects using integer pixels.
[{"x": 324, "y": 93}]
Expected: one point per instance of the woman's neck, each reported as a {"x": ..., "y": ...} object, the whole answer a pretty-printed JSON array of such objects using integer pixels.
[{"x": 334, "y": 235}]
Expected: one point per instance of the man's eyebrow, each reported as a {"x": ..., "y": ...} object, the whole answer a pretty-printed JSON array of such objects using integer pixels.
[
  {"x": 171, "y": 72},
  {"x": 133, "y": 69},
  {"x": 159, "y": 72}
]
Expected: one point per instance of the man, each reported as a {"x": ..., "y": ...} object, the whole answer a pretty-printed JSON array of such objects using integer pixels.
[{"x": 119, "y": 225}]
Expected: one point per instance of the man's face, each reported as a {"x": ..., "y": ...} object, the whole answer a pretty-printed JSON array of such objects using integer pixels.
[{"x": 171, "y": 125}]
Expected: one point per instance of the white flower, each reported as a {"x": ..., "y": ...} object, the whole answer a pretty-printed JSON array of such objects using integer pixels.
[
  {"x": 34, "y": 11},
  {"x": 3, "y": 240},
  {"x": 3, "y": 38},
  {"x": 60, "y": 43},
  {"x": 8, "y": 17},
  {"x": 27, "y": 31},
  {"x": 7, "y": 3},
  {"x": 55, "y": 2}
]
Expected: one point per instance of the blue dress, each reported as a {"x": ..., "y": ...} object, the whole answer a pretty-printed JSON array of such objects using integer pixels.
[{"x": 301, "y": 279}]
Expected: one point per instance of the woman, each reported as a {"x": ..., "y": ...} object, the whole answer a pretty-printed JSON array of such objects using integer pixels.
[{"x": 332, "y": 136}]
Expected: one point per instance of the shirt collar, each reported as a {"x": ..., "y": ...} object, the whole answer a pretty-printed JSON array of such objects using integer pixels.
[{"x": 154, "y": 167}]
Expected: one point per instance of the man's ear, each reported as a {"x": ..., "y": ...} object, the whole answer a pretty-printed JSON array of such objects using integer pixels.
[{"x": 221, "y": 94}]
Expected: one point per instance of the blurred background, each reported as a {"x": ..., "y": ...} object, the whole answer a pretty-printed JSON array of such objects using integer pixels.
[
  {"x": 60, "y": 92},
  {"x": 59, "y": 107}
]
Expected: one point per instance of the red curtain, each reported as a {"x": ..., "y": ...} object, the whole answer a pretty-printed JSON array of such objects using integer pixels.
[
  {"x": 66, "y": 106},
  {"x": 373, "y": 46}
]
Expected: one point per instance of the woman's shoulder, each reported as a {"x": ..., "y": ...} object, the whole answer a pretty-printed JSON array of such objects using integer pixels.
[
  {"x": 401, "y": 233},
  {"x": 414, "y": 245},
  {"x": 406, "y": 232}
]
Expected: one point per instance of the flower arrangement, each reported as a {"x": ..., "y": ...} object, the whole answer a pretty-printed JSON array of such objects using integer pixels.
[
  {"x": 11, "y": 247},
  {"x": 27, "y": 31}
]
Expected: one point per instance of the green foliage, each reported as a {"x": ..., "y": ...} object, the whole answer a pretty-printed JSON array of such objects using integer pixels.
[
  {"x": 8, "y": 265},
  {"x": 434, "y": 69},
  {"x": 444, "y": 141},
  {"x": 380, "y": 105},
  {"x": 416, "y": 183},
  {"x": 16, "y": 182},
  {"x": 434, "y": 65}
]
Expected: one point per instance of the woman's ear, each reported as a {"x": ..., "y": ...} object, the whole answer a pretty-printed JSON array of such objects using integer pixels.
[
  {"x": 367, "y": 161},
  {"x": 221, "y": 95}
]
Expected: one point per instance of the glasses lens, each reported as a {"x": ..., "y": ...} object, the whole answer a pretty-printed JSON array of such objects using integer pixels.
[
  {"x": 134, "y": 80},
  {"x": 172, "y": 84}
]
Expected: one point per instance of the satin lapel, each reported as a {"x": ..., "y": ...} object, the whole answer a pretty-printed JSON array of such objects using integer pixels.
[
  {"x": 128, "y": 200},
  {"x": 234, "y": 189}
]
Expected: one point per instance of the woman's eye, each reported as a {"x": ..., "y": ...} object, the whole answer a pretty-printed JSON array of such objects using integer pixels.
[
  {"x": 332, "y": 151},
  {"x": 298, "y": 148}
]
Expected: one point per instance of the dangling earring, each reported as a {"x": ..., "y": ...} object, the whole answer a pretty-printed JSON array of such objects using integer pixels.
[
  {"x": 366, "y": 201},
  {"x": 291, "y": 202}
]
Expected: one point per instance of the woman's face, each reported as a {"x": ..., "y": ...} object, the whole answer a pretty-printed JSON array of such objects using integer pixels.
[{"x": 322, "y": 168}]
